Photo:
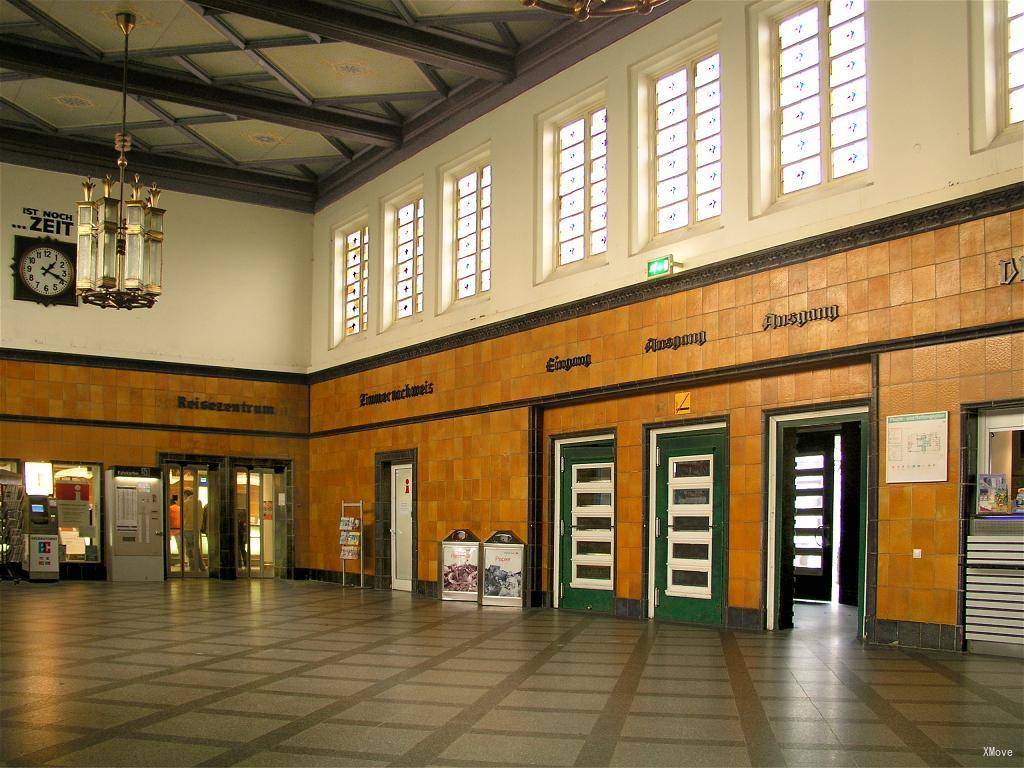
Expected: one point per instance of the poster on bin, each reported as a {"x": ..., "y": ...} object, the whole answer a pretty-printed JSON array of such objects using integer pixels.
[
  {"x": 459, "y": 571},
  {"x": 503, "y": 574}
]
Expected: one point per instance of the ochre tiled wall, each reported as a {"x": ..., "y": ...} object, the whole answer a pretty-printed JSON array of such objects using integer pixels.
[
  {"x": 472, "y": 473},
  {"x": 109, "y": 394},
  {"x": 925, "y": 515},
  {"x": 743, "y": 403},
  {"x": 947, "y": 279}
]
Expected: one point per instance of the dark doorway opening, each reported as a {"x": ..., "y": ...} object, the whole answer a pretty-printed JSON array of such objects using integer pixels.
[{"x": 820, "y": 507}]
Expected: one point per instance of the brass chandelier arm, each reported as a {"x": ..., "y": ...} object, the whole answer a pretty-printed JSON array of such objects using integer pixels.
[{"x": 581, "y": 10}]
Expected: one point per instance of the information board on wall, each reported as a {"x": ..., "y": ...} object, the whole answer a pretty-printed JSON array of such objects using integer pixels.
[{"x": 917, "y": 447}]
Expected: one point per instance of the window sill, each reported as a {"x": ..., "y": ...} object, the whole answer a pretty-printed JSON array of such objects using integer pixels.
[
  {"x": 470, "y": 303},
  {"x": 852, "y": 183},
  {"x": 354, "y": 338},
  {"x": 404, "y": 322},
  {"x": 668, "y": 239},
  {"x": 585, "y": 265},
  {"x": 1010, "y": 135}
]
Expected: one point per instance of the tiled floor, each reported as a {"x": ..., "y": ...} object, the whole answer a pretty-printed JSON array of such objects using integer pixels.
[{"x": 283, "y": 673}]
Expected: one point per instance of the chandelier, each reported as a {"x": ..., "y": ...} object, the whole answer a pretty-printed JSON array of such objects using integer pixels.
[
  {"x": 581, "y": 10},
  {"x": 120, "y": 242}
]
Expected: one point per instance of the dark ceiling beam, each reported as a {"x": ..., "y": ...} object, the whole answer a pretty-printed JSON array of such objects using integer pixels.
[
  {"x": 13, "y": 77},
  {"x": 377, "y": 32},
  {"x": 569, "y": 43},
  {"x": 17, "y": 27},
  {"x": 507, "y": 34},
  {"x": 35, "y": 120},
  {"x": 435, "y": 79},
  {"x": 242, "y": 45},
  {"x": 388, "y": 107},
  {"x": 286, "y": 161},
  {"x": 344, "y": 149},
  {"x": 242, "y": 79},
  {"x": 194, "y": 68},
  {"x": 475, "y": 18},
  {"x": 50, "y": 23},
  {"x": 370, "y": 98},
  {"x": 403, "y": 10},
  {"x": 174, "y": 172},
  {"x": 48, "y": 63},
  {"x": 200, "y": 48},
  {"x": 172, "y": 122}
]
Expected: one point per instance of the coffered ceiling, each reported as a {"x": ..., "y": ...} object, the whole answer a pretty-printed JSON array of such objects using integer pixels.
[{"x": 289, "y": 103}]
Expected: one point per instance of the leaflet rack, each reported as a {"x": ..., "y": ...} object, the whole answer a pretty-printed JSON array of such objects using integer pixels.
[
  {"x": 350, "y": 538},
  {"x": 12, "y": 541}
]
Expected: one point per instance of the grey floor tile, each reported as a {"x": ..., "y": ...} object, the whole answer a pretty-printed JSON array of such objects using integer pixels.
[
  {"x": 320, "y": 686},
  {"x": 136, "y": 752},
  {"x": 216, "y": 726},
  {"x": 399, "y": 713},
  {"x": 449, "y": 677},
  {"x": 683, "y": 728},
  {"x": 521, "y": 721},
  {"x": 270, "y": 703},
  {"x": 642, "y": 754},
  {"x": 256, "y": 666},
  {"x": 790, "y": 732},
  {"x": 570, "y": 683},
  {"x": 441, "y": 694},
  {"x": 513, "y": 750},
  {"x": 555, "y": 700},
  {"x": 19, "y": 741},
  {"x": 685, "y": 687},
  {"x": 209, "y": 677},
  {"x": 305, "y": 760},
  {"x": 149, "y": 693},
  {"x": 372, "y": 740},
  {"x": 675, "y": 705},
  {"x": 84, "y": 714}
]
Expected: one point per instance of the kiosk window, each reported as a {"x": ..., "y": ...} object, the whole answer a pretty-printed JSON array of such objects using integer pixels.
[
  {"x": 1001, "y": 464},
  {"x": 76, "y": 487}
]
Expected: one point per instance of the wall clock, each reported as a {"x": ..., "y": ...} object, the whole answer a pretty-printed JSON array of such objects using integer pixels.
[{"x": 44, "y": 271}]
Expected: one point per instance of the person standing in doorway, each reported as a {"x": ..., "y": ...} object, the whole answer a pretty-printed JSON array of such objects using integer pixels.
[{"x": 195, "y": 560}]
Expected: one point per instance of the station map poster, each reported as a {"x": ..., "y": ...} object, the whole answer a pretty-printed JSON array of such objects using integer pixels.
[{"x": 917, "y": 447}]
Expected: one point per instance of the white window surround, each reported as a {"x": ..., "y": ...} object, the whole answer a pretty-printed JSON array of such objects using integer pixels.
[
  {"x": 642, "y": 78},
  {"x": 389, "y": 244},
  {"x": 990, "y": 126},
  {"x": 762, "y": 60},
  {"x": 449, "y": 175},
  {"x": 337, "y": 286},
  {"x": 548, "y": 124}
]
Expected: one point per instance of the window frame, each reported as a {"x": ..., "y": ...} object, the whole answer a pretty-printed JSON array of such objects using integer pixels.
[
  {"x": 418, "y": 201},
  {"x": 1003, "y": 57},
  {"x": 339, "y": 280},
  {"x": 585, "y": 115},
  {"x": 824, "y": 95}
]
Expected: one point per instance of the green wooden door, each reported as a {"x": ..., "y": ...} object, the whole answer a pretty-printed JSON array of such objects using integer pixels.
[
  {"x": 689, "y": 548},
  {"x": 586, "y": 555}
]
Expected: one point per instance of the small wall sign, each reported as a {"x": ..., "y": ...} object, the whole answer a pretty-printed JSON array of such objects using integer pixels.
[
  {"x": 393, "y": 395},
  {"x": 557, "y": 363},
  {"x": 682, "y": 402},
  {"x": 194, "y": 404},
  {"x": 1012, "y": 271},
  {"x": 47, "y": 222},
  {"x": 700, "y": 338},
  {"x": 801, "y": 318}
]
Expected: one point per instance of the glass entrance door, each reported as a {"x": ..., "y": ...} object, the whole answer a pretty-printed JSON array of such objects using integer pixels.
[
  {"x": 190, "y": 520},
  {"x": 811, "y": 475},
  {"x": 587, "y": 528},
  {"x": 689, "y": 583},
  {"x": 258, "y": 492}
]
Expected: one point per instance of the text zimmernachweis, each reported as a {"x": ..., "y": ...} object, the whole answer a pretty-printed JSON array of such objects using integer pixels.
[{"x": 393, "y": 395}]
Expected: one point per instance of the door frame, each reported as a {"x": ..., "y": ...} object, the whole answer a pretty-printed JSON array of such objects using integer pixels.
[
  {"x": 555, "y": 485},
  {"x": 391, "y": 520},
  {"x": 803, "y": 417},
  {"x": 651, "y": 434},
  {"x": 382, "y": 462}
]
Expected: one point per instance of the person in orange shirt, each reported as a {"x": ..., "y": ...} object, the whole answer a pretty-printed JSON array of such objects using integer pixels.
[{"x": 174, "y": 524}]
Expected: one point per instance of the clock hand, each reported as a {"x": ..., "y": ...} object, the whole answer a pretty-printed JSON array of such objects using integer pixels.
[{"x": 47, "y": 270}]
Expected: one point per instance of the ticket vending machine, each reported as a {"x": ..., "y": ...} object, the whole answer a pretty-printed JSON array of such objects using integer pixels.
[
  {"x": 41, "y": 555},
  {"x": 136, "y": 530}
]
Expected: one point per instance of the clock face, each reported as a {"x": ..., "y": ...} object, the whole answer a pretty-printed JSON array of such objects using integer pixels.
[{"x": 46, "y": 271}]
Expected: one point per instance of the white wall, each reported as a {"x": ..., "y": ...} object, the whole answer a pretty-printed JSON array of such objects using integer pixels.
[
  {"x": 236, "y": 284},
  {"x": 920, "y": 155}
]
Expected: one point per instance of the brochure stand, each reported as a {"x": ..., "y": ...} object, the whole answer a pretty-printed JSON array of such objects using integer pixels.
[
  {"x": 503, "y": 557},
  {"x": 350, "y": 538},
  {"x": 12, "y": 542},
  {"x": 458, "y": 567}
]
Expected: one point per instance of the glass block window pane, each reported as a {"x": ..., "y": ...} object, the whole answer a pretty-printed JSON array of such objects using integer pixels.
[
  {"x": 687, "y": 135},
  {"x": 822, "y": 94},
  {"x": 1015, "y": 60},
  {"x": 409, "y": 259},
  {"x": 473, "y": 233},
  {"x": 356, "y": 280},
  {"x": 582, "y": 222}
]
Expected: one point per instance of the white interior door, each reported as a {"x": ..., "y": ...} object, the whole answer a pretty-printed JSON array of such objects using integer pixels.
[{"x": 401, "y": 526}]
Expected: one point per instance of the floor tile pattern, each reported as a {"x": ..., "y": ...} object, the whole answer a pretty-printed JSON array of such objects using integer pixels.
[{"x": 281, "y": 673}]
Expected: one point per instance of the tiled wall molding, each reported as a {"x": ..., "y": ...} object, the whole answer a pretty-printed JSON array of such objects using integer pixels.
[
  {"x": 914, "y": 634},
  {"x": 961, "y": 211},
  {"x": 788, "y": 364},
  {"x": 108, "y": 423}
]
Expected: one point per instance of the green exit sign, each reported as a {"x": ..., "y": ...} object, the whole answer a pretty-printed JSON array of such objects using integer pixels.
[{"x": 660, "y": 267}]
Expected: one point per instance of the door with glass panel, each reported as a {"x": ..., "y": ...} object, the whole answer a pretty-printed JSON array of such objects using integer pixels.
[
  {"x": 810, "y": 475},
  {"x": 401, "y": 526},
  {"x": 259, "y": 492},
  {"x": 689, "y": 527},
  {"x": 190, "y": 519},
  {"x": 587, "y": 528}
]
